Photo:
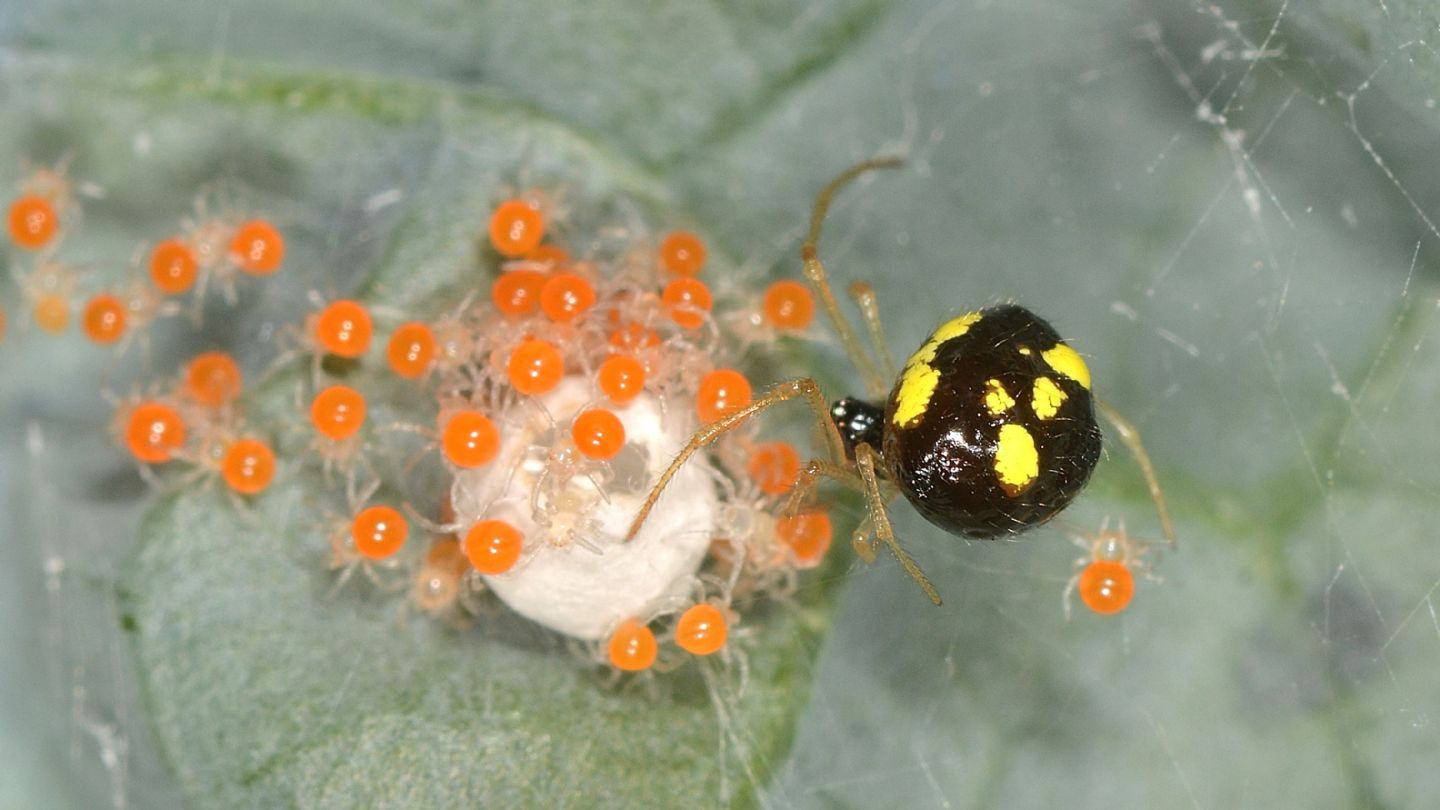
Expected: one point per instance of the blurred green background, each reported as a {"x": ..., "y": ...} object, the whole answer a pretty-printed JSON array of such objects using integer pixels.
[{"x": 1230, "y": 208}]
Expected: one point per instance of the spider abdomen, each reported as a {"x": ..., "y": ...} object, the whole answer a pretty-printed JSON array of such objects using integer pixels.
[{"x": 990, "y": 429}]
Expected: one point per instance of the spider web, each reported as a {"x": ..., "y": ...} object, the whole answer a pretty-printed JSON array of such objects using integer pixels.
[{"x": 1229, "y": 208}]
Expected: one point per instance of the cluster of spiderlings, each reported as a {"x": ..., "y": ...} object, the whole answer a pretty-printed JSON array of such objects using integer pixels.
[
  {"x": 196, "y": 420},
  {"x": 40, "y": 215},
  {"x": 192, "y": 419},
  {"x": 561, "y": 392},
  {"x": 552, "y": 398},
  {"x": 46, "y": 210}
]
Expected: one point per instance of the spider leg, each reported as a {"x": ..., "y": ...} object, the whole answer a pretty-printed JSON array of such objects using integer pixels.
[
  {"x": 865, "y": 299},
  {"x": 707, "y": 435},
  {"x": 1130, "y": 437},
  {"x": 875, "y": 383},
  {"x": 809, "y": 479},
  {"x": 1069, "y": 593},
  {"x": 879, "y": 520},
  {"x": 340, "y": 581}
]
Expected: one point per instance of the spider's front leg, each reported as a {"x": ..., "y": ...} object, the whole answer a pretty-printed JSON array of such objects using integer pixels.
[{"x": 804, "y": 388}]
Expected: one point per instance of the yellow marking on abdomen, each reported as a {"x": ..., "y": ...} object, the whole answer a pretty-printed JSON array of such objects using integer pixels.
[
  {"x": 917, "y": 384},
  {"x": 918, "y": 380},
  {"x": 951, "y": 329},
  {"x": 1068, "y": 362},
  {"x": 1017, "y": 462},
  {"x": 1046, "y": 397},
  {"x": 997, "y": 399},
  {"x": 955, "y": 327}
]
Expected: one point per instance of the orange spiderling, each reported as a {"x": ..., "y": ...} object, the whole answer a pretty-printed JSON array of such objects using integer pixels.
[
  {"x": 686, "y": 301},
  {"x": 173, "y": 267},
  {"x": 634, "y": 337},
  {"x": 721, "y": 393},
  {"x": 808, "y": 535},
  {"x": 535, "y": 367},
  {"x": 52, "y": 312},
  {"x": 379, "y": 532},
  {"x": 565, "y": 296},
  {"x": 516, "y": 228},
  {"x": 33, "y": 221},
  {"x": 257, "y": 248},
  {"x": 788, "y": 305},
  {"x": 493, "y": 546},
  {"x": 104, "y": 319},
  {"x": 437, "y": 584},
  {"x": 621, "y": 378},
  {"x": 632, "y": 648},
  {"x": 411, "y": 349},
  {"x": 248, "y": 466},
  {"x": 517, "y": 292},
  {"x": 682, "y": 253},
  {"x": 470, "y": 440},
  {"x": 338, "y": 412},
  {"x": 343, "y": 329},
  {"x": 154, "y": 432},
  {"x": 552, "y": 255},
  {"x": 701, "y": 630},
  {"x": 775, "y": 467},
  {"x": 212, "y": 379},
  {"x": 598, "y": 434}
]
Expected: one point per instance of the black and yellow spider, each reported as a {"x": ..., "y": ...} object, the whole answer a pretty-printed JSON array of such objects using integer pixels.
[{"x": 988, "y": 430}]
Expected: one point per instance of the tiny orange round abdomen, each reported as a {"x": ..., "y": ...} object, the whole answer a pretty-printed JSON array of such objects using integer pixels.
[
  {"x": 52, "y": 312},
  {"x": 470, "y": 440},
  {"x": 598, "y": 434},
  {"x": 682, "y": 253},
  {"x": 722, "y": 392},
  {"x": 516, "y": 228},
  {"x": 1106, "y": 586},
  {"x": 517, "y": 292},
  {"x": 621, "y": 378},
  {"x": 33, "y": 222},
  {"x": 379, "y": 532},
  {"x": 344, "y": 329},
  {"x": 701, "y": 630},
  {"x": 248, "y": 466},
  {"x": 104, "y": 319},
  {"x": 257, "y": 247},
  {"x": 213, "y": 379},
  {"x": 535, "y": 367},
  {"x": 774, "y": 467},
  {"x": 632, "y": 647},
  {"x": 493, "y": 546},
  {"x": 173, "y": 267},
  {"x": 686, "y": 301},
  {"x": 565, "y": 296},
  {"x": 338, "y": 412},
  {"x": 808, "y": 535},
  {"x": 154, "y": 432},
  {"x": 788, "y": 305},
  {"x": 411, "y": 349}
]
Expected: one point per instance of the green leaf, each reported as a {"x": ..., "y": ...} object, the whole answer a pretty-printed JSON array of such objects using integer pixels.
[
  {"x": 269, "y": 693},
  {"x": 1229, "y": 208}
]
